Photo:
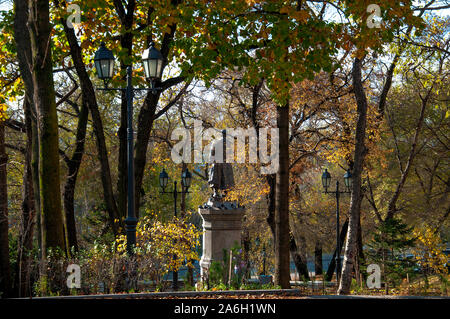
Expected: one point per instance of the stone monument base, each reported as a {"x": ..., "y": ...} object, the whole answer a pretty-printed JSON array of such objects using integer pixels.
[{"x": 222, "y": 226}]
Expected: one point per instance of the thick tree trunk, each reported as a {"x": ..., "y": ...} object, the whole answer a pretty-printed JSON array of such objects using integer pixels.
[
  {"x": 23, "y": 43},
  {"x": 282, "y": 231},
  {"x": 332, "y": 266},
  {"x": 44, "y": 99},
  {"x": 351, "y": 245},
  {"x": 73, "y": 165},
  {"x": 5, "y": 273}
]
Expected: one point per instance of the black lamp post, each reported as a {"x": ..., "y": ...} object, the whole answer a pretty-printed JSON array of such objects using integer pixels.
[
  {"x": 326, "y": 182},
  {"x": 153, "y": 66},
  {"x": 186, "y": 179}
]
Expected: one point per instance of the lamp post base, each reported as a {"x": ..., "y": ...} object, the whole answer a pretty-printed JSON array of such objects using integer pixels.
[{"x": 130, "y": 227}]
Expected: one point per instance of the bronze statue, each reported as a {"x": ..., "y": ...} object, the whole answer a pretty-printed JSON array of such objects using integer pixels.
[{"x": 220, "y": 174}]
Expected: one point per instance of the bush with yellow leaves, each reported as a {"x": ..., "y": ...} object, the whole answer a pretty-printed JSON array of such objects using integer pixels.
[
  {"x": 163, "y": 247},
  {"x": 160, "y": 247},
  {"x": 428, "y": 251}
]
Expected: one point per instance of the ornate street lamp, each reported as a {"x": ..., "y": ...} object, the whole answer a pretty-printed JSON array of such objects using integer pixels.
[
  {"x": 348, "y": 180},
  {"x": 186, "y": 179},
  {"x": 163, "y": 179},
  {"x": 104, "y": 65},
  {"x": 326, "y": 182},
  {"x": 153, "y": 62},
  {"x": 326, "y": 179}
]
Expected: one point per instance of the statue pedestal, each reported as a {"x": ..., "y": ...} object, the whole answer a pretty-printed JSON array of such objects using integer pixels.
[{"x": 222, "y": 225}]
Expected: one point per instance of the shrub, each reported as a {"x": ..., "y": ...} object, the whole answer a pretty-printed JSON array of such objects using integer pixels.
[{"x": 160, "y": 248}]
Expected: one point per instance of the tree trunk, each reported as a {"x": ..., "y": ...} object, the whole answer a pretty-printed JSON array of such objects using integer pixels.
[
  {"x": 122, "y": 167},
  {"x": 360, "y": 254},
  {"x": 25, "y": 240},
  {"x": 271, "y": 203},
  {"x": 5, "y": 274},
  {"x": 296, "y": 254},
  {"x": 73, "y": 165},
  {"x": 23, "y": 44},
  {"x": 88, "y": 92},
  {"x": 144, "y": 127},
  {"x": 148, "y": 115},
  {"x": 126, "y": 42},
  {"x": 318, "y": 268},
  {"x": 44, "y": 99},
  {"x": 299, "y": 257},
  {"x": 351, "y": 245},
  {"x": 35, "y": 178},
  {"x": 282, "y": 231},
  {"x": 332, "y": 266},
  {"x": 246, "y": 243},
  {"x": 412, "y": 154}
]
